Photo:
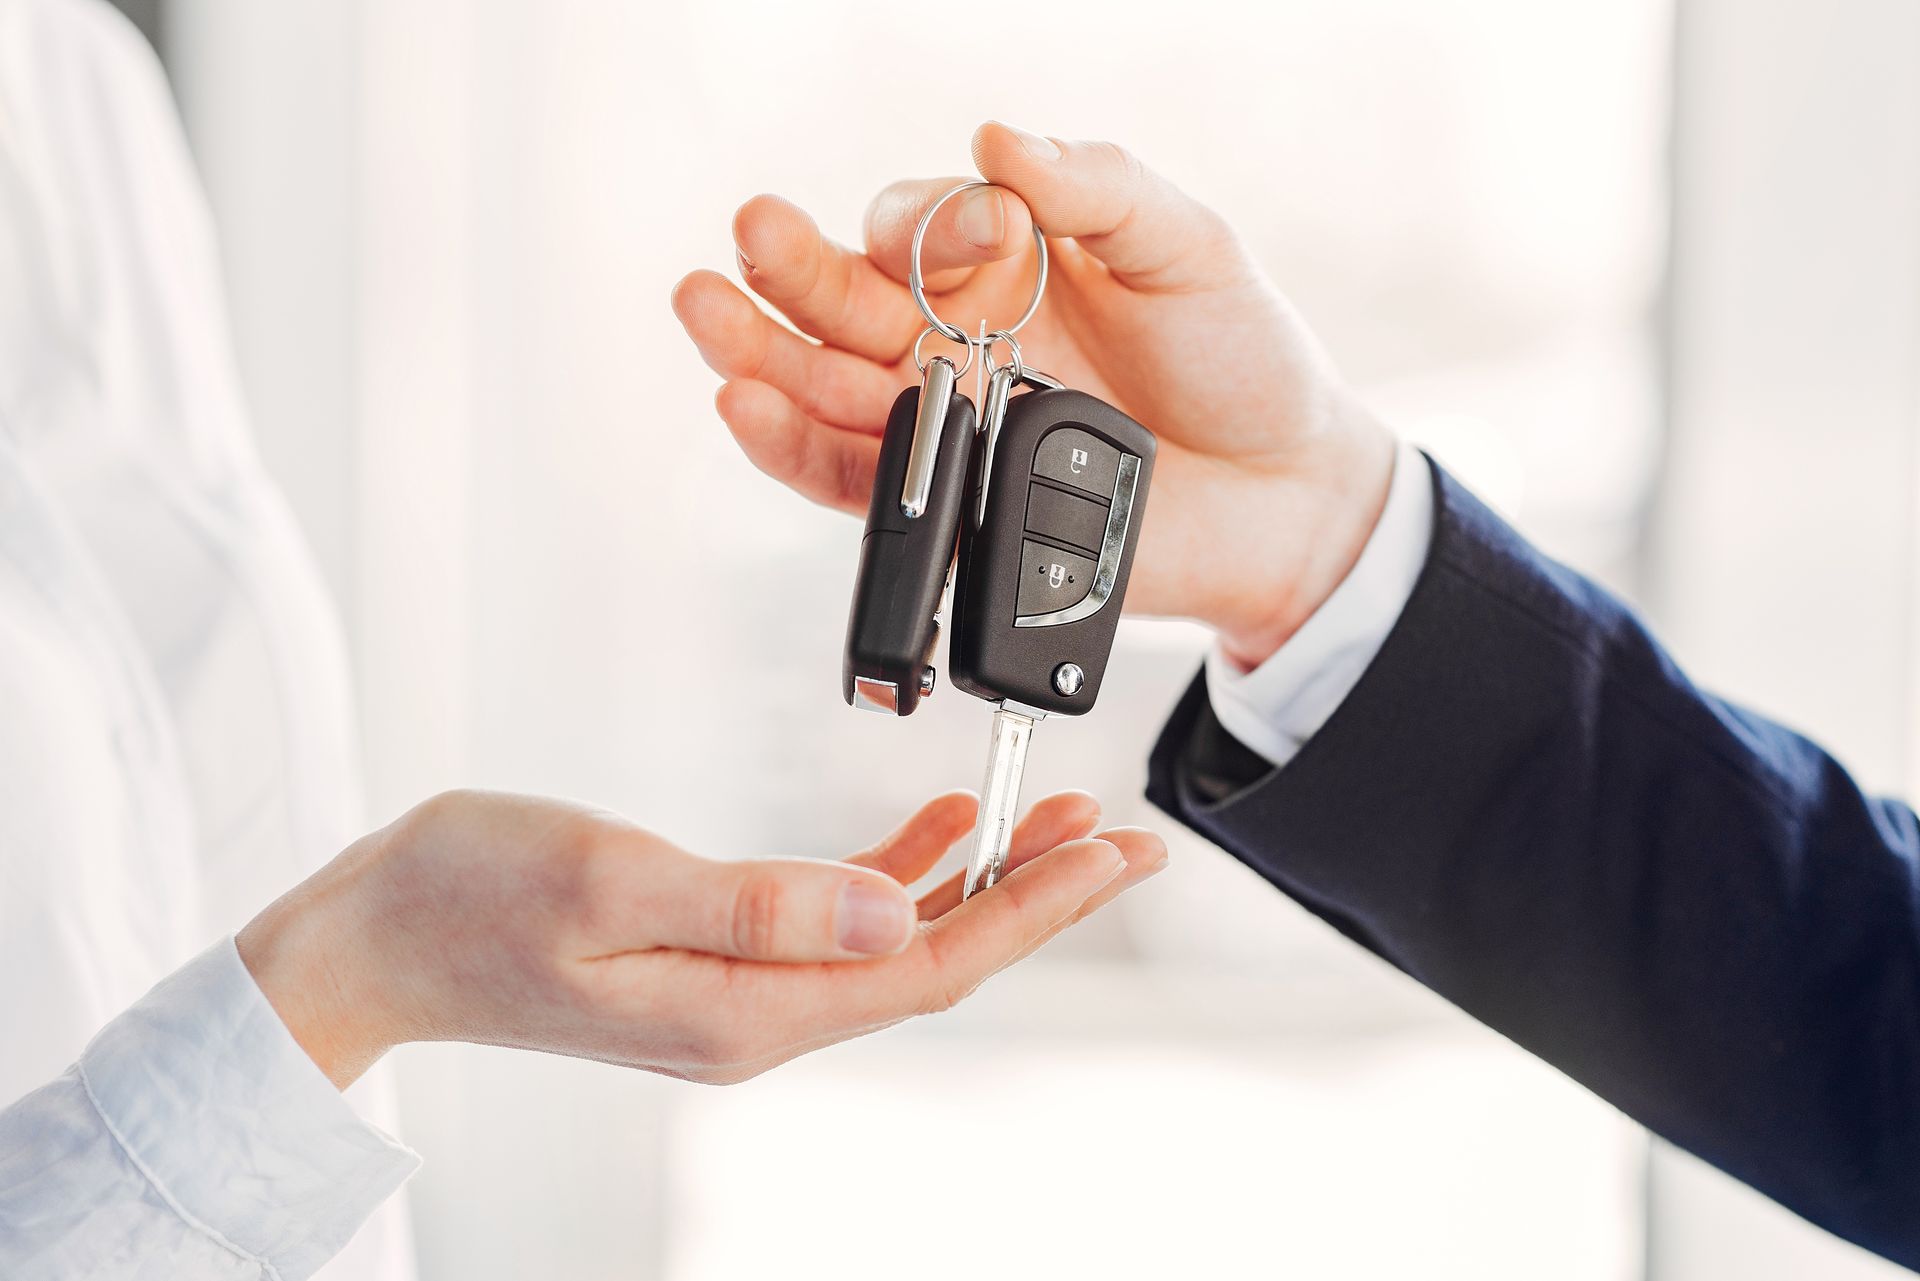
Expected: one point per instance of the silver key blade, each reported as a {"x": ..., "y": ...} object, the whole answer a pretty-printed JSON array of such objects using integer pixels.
[{"x": 999, "y": 796}]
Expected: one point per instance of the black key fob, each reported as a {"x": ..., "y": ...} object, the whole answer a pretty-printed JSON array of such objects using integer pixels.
[
  {"x": 1044, "y": 560},
  {"x": 904, "y": 558}
]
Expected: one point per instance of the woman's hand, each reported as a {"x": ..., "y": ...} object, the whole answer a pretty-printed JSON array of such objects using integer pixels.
[
  {"x": 511, "y": 920},
  {"x": 1270, "y": 475}
]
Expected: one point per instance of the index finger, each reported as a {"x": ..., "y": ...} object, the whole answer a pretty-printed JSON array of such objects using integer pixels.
[
  {"x": 976, "y": 940},
  {"x": 803, "y": 1007},
  {"x": 828, "y": 291}
]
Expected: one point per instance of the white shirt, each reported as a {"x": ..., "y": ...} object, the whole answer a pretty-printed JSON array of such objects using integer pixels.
[
  {"x": 1282, "y": 703},
  {"x": 176, "y": 735}
]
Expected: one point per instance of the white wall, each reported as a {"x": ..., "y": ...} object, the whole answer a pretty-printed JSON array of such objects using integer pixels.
[
  {"x": 270, "y": 98},
  {"x": 1786, "y": 546},
  {"x": 336, "y": 143}
]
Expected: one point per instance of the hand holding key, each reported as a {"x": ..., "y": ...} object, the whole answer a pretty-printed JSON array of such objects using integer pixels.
[
  {"x": 518, "y": 921},
  {"x": 1270, "y": 474}
]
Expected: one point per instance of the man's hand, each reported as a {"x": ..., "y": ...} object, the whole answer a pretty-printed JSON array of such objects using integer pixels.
[
  {"x": 1270, "y": 475},
  {"x": 509, "y": 920}
]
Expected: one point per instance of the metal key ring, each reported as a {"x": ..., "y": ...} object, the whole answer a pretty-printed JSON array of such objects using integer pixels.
[
  {"x": 917, "y": 282},
  {"x": 963, "y": 340},
  {"x": 986, "y": 346}
]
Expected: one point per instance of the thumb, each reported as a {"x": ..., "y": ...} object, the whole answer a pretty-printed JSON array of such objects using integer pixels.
[
  {"x": 1149, "y": 233},
  {"x": 785, "y": 909}
]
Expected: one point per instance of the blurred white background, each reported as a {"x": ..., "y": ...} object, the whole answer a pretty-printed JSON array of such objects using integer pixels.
[{"x": 1649, "y": 277}]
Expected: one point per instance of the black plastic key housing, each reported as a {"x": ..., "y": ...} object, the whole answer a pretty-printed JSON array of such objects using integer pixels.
[
  {"x": 1043, "y": 570},
  {"x": 903, "y": 563}
]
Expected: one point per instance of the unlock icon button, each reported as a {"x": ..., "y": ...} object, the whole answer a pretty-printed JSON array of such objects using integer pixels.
[{"x": 1051, "y": 578}]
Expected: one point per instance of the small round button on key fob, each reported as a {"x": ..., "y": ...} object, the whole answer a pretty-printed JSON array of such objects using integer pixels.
[
  {"x": 1044, "y": 560},
  {"x": 913, "y": 520}
]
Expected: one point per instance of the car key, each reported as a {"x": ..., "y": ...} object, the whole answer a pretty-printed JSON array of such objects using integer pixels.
[
  {"x": 913, "y": 515},
  {"x": 913, "y": 519},
  {"x": 1054, "y": 512},
  {"x": 1053, "y": 487}
]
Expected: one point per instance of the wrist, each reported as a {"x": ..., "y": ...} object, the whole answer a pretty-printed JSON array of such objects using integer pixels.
[
  {"x": 308, "y": 957},
  {"x": 1328, "y": 502}
]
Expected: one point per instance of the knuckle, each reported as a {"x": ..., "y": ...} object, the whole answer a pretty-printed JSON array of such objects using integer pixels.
[
  {"x": 586, "y": 865},
  {"x": 832, "y": 280},
  {"x": 583, "y": 876},
  {"x": 1212, "y": 231},
  {"x": 852, "y": 479},
  {"x": 1021, "y": 896},
  {"x": 759, "y": 354},
  {"x": 740, "y": 1046},
  {"x": 436, "y": 824},
  {"x": 893, "y": 213},
  {"x": 727, "y": 1049},
  {"x": 583, "y": 838},
  {"x": 757, "y": 907},
  {"x": 946, "y": 996},
  {"x": 730, "y": 1074},
  {"x": 440, "y": 807},
  {"x": 944, "y": 990},
  {"x": 1126, "y": 167}
]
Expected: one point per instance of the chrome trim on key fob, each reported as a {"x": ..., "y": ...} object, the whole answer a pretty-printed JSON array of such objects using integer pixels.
[
  {"x": 1113, "y": 545},
  {"x": 930, "y": 419}
]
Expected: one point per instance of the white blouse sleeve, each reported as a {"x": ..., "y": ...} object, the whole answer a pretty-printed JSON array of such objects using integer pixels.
[{"x": 194, "y": 1138}]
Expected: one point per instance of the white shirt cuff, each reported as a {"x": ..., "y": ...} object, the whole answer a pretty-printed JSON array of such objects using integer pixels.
[
  {"x": 1275, "y": 708},
  {"x": 209, "y": 1095}
]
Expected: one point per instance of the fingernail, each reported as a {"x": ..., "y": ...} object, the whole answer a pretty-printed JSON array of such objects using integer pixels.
[
  {"x": 746, "y": 264},
  {"x": 1036, "y": 146},
  {"x": 982, "y": 219},
  {"x": 871, "y": 919}
]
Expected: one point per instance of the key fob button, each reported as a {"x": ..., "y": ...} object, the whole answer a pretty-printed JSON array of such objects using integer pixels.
[
  {"x": 1051, "y": 579},
  {"x": 1066, "y": 518},
  {"x": 1077, "y": 458}
]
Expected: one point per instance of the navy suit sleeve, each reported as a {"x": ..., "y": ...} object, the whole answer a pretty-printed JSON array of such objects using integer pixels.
[{"x": 1529, "y": 808}]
